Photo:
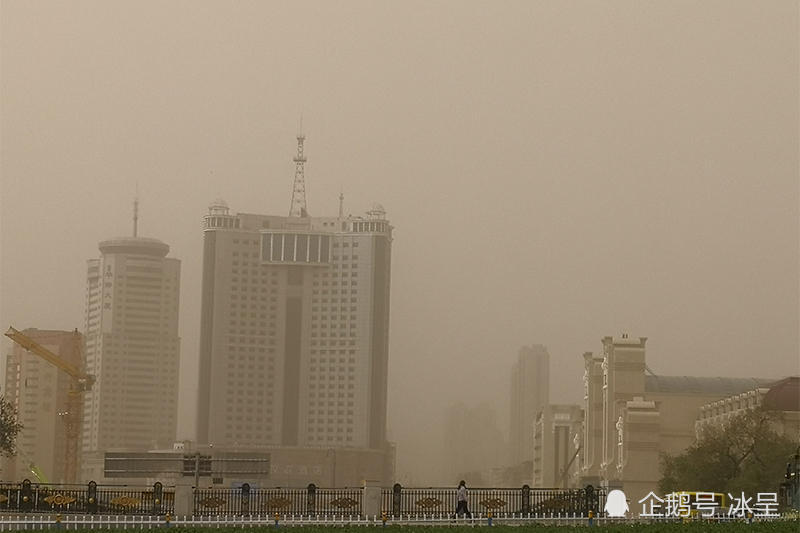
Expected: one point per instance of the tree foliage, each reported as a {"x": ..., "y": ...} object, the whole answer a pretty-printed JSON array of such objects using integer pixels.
[
  {"x": 743, "y": 454},
  {"x": 9, "y": 428}
]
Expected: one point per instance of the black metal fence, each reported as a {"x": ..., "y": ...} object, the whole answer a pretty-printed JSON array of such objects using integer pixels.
[
  {"x": 253, "y": 501},
  {"x": 397, "y": 501},
  {"x": 27, "y": 497},
  {"x": 404, "y": 501}
]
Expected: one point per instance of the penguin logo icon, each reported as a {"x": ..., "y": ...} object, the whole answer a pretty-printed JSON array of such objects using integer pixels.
[{"x": 616, "y": 504}]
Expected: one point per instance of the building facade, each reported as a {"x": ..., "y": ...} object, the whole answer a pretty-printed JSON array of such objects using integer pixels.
[
  {"x": 556, "y": 444},
  {"x": 633, "y": 415},
  {"x": 530, "y": 393},
  {"x": 294, "y": 330},
  {"x": 781, "y": 399},
  {"x": 39, "y": 392},
  {"x": 132, "y": 349}
]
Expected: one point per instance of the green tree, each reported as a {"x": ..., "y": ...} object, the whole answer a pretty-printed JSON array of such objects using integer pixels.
[
  {"x": 9, "y": 428},
  {"x": 743, "y": 454}
]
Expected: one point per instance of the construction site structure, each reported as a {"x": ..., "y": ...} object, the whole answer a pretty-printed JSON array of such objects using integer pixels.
[{"x": 72, "y": 413}]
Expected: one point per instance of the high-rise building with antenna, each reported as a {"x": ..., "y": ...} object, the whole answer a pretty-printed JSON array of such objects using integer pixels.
[
  {"x": 132, "y": 348},
  {"x": 294, "y": 334}
]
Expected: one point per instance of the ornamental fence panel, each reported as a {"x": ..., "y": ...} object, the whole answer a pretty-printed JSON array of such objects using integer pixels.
[
  {"x": 432, "y": 501},
  {"x": 27, "y": 497},
  {"x": 311, "y": 500}
]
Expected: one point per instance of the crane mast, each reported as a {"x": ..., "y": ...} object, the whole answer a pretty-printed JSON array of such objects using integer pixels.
[{"x": 80, "y": 383}]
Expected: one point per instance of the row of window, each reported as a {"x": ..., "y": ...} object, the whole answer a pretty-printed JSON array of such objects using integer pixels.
[
  {"x": 225, "y": 222},
  {"x": 295, "y": 248},
  {"x": 333, "y": 282},
  {"x": 370, "y": 227},
  {"x": 334, "y": 291},
  {"x": 336, "y": 299}
]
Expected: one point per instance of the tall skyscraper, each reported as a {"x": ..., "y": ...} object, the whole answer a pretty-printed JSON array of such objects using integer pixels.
[
  {"x": 39, "y": 391},
  {"x": 530, "y": 393},
  {"x": 294, "y": 327},
  {"x": 132, "y": 348}
]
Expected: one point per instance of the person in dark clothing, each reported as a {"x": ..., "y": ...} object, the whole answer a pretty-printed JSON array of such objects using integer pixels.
[{"x": 462, "y": 507}]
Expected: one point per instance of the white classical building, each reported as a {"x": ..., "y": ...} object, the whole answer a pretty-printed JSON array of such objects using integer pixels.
[{"x": 632, "y": 415}]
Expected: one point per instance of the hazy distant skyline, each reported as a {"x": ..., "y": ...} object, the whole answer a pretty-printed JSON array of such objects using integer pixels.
[{"x": 555, "y": 172}]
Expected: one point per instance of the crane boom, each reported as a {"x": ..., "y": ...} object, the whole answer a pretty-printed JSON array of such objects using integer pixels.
[
  {"x": 83, "y": 380},
  {"x": 73, "y": 413}
]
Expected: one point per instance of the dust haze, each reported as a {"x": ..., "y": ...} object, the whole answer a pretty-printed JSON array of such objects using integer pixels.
[{"x": 555, "y": 172}]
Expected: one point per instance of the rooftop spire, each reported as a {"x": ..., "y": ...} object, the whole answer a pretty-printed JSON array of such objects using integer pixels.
[
  {"x": 341, "y": 204},
  {"x": 136, "y": 214},
  {"x": 298, "y": 207}
]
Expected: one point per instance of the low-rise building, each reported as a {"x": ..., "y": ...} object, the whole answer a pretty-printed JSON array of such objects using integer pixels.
[
  {"x": 556, "y": 444},
  {"x": 781, "y": 398}
]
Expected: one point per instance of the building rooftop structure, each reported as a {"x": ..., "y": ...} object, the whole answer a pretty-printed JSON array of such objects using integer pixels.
[
  {"x": 134, "y": 245},
  {"x": 783, "y": 395},
  {"x": 701, "y": 385}
]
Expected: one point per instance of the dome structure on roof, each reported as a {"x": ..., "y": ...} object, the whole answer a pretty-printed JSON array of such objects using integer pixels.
[
  {"x": 218, "y": 207},
  {"x": 377, "y": 212}
]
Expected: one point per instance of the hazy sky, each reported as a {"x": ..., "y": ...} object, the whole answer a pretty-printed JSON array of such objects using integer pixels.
[{"x": 555, "y": 171}]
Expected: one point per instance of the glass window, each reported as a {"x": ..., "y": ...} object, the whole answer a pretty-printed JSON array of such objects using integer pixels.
[
  {"x": 302, "y": 248},
  {"x": 288, "y": 246},
  {"x": 324, "y": 253},
  {"x": 276, "y": 246},
  {"x": 266, "y": 247}
]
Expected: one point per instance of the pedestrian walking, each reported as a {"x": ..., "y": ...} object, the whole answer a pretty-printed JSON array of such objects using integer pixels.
[{"x": 462, "y": 508}]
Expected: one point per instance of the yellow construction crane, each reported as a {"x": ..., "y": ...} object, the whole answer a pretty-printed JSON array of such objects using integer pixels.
[{"x": 72, "y": 416}]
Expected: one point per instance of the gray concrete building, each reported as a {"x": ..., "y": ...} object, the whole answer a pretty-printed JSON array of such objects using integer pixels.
[{"x": 132, "y": 348}]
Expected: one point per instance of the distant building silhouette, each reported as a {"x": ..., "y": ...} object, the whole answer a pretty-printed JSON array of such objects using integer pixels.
[
  {"x": 530, "y": 393},
  {"x": 39, "y": 391},
  {"x": 473, "y": 443},
  {"x": 132, "y": 348}
]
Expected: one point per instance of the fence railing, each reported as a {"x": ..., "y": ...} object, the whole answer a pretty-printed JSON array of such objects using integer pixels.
[
  {"x": 432, "y": 501},
  {"x": 309, "y": 501},
  {"x": 77, "y": 522},
  {"x": 397, "y": 501},
  {"x": 27, "y": 497}
]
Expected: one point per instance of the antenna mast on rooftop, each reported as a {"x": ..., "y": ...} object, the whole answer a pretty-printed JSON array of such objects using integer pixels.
[
  {"x": 136, "y": 215},
  {"x": 298, "y": 208}
]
